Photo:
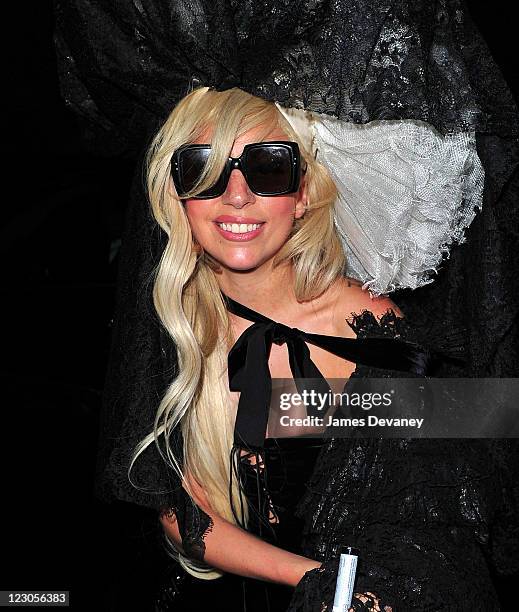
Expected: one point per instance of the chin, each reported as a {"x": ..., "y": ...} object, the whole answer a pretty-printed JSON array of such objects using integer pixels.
[{"x": 240, "y": 264}]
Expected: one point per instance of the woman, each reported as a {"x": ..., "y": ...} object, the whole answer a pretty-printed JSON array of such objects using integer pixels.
[
  {"x": 287, "y": 268},
  {"x": 234, "y": 256}
]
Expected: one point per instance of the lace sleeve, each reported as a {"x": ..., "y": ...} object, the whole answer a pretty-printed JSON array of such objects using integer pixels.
[{"x": 416, "y": 509}]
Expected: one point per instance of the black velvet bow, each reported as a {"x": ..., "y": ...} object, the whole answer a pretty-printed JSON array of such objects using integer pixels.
[{"x": 249, "y": 371}]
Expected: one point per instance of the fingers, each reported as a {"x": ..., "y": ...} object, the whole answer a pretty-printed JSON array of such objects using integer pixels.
[{"x": 370, "y": 601}]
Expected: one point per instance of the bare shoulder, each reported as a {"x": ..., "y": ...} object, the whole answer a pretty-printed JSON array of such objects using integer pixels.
[{"x": 353, "y": 299}]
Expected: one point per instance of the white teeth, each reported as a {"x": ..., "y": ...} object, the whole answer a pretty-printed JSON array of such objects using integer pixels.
[{"x": 239, "y": 228}]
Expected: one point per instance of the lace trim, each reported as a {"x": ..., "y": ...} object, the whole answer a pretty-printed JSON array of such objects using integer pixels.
[
  {"x": 389, "y": 324},
  {"x": 447, "y": 342},
  {"x": 194, "y": 524}
]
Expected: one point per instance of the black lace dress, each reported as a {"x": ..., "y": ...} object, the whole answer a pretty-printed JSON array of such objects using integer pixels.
[{"x": 433, "y": 520}]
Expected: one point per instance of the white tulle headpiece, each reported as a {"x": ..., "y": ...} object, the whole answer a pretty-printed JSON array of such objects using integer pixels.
[{"x": 406, "y": 194}]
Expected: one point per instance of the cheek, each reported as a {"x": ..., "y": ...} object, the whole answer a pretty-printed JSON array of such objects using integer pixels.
[
  {"x": 282, "y": 214},
  {"x": 284, "y": 207},
  {"x": 197, "y": 215}
]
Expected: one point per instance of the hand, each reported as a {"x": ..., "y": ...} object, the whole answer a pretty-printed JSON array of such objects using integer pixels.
[
  {"x": 368, "y": 601},
  {"x": 315, "y": 592}
]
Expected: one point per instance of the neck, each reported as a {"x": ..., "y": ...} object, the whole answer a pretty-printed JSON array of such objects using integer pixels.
[{"x": 267, "y": 290}]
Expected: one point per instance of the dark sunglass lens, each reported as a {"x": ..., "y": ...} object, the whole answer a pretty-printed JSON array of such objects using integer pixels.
[
  {"x": 269, "y": 169},
  {"x": 191, "y": 165},
  {"x": 217, "y": 189}
]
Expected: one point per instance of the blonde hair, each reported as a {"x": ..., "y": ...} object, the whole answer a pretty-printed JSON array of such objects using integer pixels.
[{"x": 187, "y": 296}]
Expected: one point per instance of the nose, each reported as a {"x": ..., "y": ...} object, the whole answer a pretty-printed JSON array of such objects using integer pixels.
[{"x": 238, "y": 193}]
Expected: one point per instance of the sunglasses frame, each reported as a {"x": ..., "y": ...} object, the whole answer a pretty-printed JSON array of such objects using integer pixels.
[{"x": 240, "y": 163}]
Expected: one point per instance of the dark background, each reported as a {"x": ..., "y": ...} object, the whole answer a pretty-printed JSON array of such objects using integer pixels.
[{"x": 63, "y": 212}]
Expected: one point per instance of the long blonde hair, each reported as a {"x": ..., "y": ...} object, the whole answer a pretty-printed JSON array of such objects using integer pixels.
[{"x": 187, "y": 296}]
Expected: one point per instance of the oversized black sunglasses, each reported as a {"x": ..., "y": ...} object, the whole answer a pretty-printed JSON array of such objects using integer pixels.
[{"x": 270, "y": 169}]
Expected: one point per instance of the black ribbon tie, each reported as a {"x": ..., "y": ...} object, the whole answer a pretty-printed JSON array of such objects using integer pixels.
[{"x": 250, "y": 375}]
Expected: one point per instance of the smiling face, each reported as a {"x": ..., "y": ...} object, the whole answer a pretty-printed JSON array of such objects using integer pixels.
[{"x": 218, "y": 224}]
